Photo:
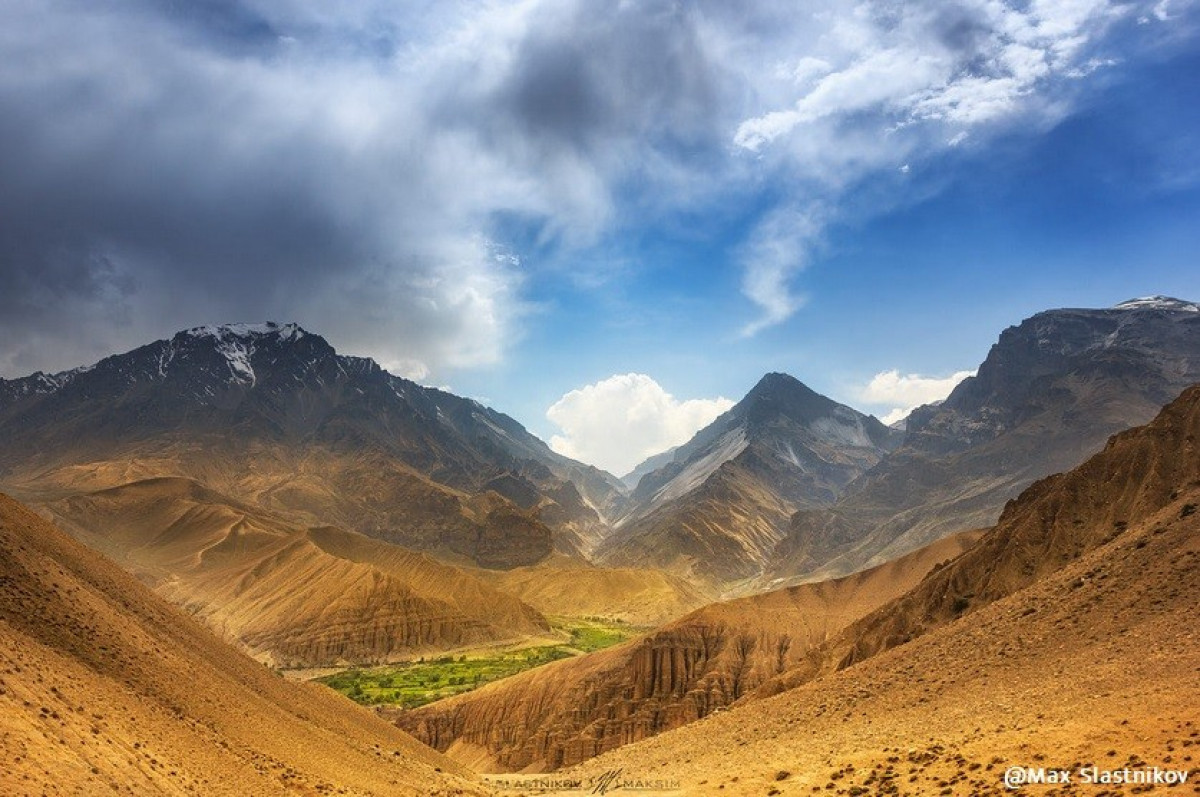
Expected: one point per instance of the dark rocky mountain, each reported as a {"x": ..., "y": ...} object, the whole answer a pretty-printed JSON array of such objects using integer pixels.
[
  {"x": 719, "y": 507},
  {"x": 272, "y": 414},
  {"x": 1050, "y": 392}
]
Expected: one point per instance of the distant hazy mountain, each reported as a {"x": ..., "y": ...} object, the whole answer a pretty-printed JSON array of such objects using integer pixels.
[
  {"x": 1050, "y": 392},
  {"x": 648, "y": 465},
  {"x": 721, "y": 504},
  {"x": 273, "y": 415}
]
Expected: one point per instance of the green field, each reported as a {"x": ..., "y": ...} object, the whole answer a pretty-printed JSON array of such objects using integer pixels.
[{"x": 415, "y": 683}]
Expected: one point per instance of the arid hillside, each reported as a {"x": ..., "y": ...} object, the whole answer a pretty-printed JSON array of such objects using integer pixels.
[
  {"x": 1065, "y": 639},
  {"x": 289, "y": 595},
  {"x": 566, "y": 712},
  {"x": 106, "y": 688},
  {"x": 639, "y": 596}
]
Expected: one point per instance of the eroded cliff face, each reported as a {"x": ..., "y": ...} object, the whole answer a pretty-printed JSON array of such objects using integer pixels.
[
  {"x": 665, "y": 681},
  {"x": 570, "y": 711}
]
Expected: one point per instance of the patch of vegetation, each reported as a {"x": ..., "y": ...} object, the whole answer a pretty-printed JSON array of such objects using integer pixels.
[
  {"x": 594, "y": 633},
  {"x": 417, "y": 683}
]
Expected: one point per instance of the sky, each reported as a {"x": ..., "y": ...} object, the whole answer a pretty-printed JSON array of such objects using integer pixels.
[{"x": 607, "y": 220}]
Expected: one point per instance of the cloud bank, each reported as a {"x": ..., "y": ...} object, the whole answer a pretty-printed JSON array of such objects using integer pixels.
[
  {"x": 617, "y": 422},
  {"x": 361, "y": 167},
  {"x": 903, "y": 393}
]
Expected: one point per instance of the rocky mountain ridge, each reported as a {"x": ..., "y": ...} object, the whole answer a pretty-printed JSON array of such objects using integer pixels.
[
  {"x": 719, "y": 507},
  {"x": 278, "y": 400},
  {"x": 1050, "y": 392}
]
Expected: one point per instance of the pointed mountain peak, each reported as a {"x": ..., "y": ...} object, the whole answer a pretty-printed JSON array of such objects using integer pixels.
[
  {"x": 1158, "y": 303},
  {"x": 777, "y": 382},
  {"x": 778, "y": 394}
]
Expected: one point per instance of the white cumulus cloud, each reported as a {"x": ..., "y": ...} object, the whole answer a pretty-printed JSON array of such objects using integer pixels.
[
  {"x": 903, "y": 393},
  {"x": 617, "y": 422}
]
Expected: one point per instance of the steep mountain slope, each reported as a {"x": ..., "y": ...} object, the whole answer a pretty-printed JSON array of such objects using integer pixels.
[
  {"x": 1048, "y": 395},
  {"x": 290, "y": 596},
  {"x": 272, "y": 414},
  {"x": 1063, "y": 639},
  {"x": 105, "y": 688},
  {"x": 572, "y": 710},
  {"x": 718, "y": 509}
]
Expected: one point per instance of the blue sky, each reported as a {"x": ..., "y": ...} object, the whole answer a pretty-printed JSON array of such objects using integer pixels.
[{"x": 521, "y": 200}]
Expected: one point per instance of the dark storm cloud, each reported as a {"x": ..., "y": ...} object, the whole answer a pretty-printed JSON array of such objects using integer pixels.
[
  {"x": 348, "y": 165},
  {"x": 180, "y": 163},
  {"x": 637, "y": 70}
]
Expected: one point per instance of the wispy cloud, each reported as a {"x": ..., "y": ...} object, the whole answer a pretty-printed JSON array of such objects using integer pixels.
[
  {"x": 882, "y": 86},
  {"x": 779, "y": 248}
]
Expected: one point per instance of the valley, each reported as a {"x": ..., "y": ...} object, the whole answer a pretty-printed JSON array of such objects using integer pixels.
[
  {"x": 527, "y": 398},
  {"x": 797, "y": 566},
  {"x": 415, "y": 683}
]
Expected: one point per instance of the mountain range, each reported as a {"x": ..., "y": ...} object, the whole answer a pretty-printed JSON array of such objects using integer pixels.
[
  {"x": 1061, "y": 641},
  {"x": 1050, "y": 392},
  {"x": 1115, "y": 540},
  {"x": 271, "y": 414},
  {"x": 895, "y": 605},
  {"x": 718, "y": 508},
  {"x": 787, "y": 486}
]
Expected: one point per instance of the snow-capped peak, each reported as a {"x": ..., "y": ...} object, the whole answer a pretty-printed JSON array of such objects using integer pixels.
[
  {"x": 270, "y": 328},
  {"x": 238, "y": 342},
  {"x": 1158, "y": 303}
]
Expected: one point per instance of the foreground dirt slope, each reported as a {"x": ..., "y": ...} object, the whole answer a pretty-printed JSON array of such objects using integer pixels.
[
  {"x": 106, "y": 688},
  {"x": 1093, "y": 658},
  {"x": 289, "y": 595},
  {"x": 572, "y": 710}
]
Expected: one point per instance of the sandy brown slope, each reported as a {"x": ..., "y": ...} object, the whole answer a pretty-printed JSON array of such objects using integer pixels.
[
  {"x": 310, "y": 485},
  {"x": 290, "y": 596},
  {"x": 106, "y": 688},
  {"x": 569, "y": 711},
  {"x": 1065, "y": 637},
  {"x": 633, "y": 595},
  {"x": 1097, "y": 664}
]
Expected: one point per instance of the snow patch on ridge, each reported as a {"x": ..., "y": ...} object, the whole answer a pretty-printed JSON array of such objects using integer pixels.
[
  {"x": 1158, "y": 303},
  {"x": 841, "y": 430},
  {"x": 726, "y": 448},
  {"x": 224, "y": 331},
  {"x": 236, "y": 343}
]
